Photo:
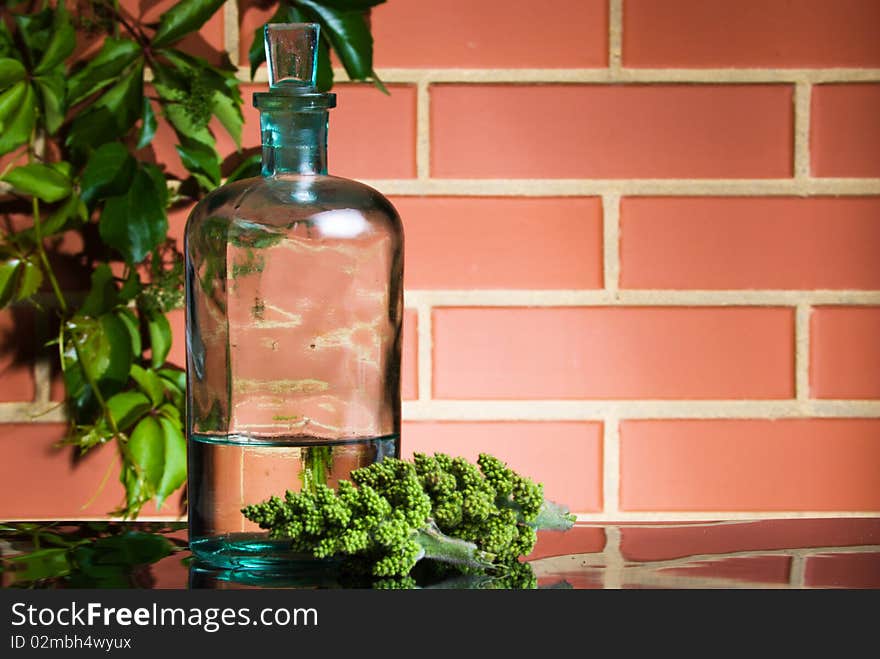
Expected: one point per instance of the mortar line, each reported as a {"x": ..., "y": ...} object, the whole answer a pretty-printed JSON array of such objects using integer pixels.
[
  {"x": 611, "y": 242},
  {"x": 801, "y": 164},
  {"x": 669, "y": 516},
  {"x": 802, "y": 352},
  {"x": 554, "y": 410},
  {"x": 611, "y": 465},
  {"x": 598, "y": 410},
  {"x": 231, "y": 36},
  {"x": 797, "y": 571},
  {"x": 612, "y": 577},
  {"x": 628, "y": 187},
  {"x": 42, "y": 366},
  {"x": 425, "y": 348},
  {"x": 603, "y": 75},
  {"x": 615, "y": 36},
  {"x": 42, "y": 380},
  {"x": 423, "y": 131},
  {"x": 638, "y": 297}
]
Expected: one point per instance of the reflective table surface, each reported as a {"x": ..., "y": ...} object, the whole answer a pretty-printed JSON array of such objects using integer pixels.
[{"x": 785, "y": 553}]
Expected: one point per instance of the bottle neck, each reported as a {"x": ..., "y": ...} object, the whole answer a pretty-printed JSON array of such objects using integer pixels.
[{"x": 294, "y": 142}]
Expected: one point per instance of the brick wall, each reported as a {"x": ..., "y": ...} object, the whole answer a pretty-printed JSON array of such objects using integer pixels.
[{"x": 642, "y": 244}]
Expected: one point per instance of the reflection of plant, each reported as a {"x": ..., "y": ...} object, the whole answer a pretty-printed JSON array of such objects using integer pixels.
[
  {"x": 395, "y": 513},
  {"x": 96, "y": 555},
  {"x": 317, "y": 464},
  {"x": 76, "y": 132}
]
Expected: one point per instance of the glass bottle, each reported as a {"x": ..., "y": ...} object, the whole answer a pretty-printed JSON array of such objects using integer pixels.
[{"x": 294, "y": 300}]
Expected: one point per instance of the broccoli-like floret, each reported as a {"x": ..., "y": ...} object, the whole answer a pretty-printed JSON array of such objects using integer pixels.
[{"x": 393, "y": 513}]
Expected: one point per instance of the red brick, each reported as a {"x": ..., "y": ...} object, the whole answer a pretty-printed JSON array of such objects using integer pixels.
[
  {"x": 252, "y": 14},
  {"x": 371, "y": 135},
  {"x": 661, "y": 353},
  {"x": 642, "y": 543},
  {"x": 750, "y": 33},
  {"x": 565, "y": 456},
  {"x": 599, "y": 131},
  {"x": 749, "y": 243},
  {"x": 17, "y": 353},
  {"x": 502, "y": 242},
  {"x": 845, "y": 134},
  {"x": 177, "y": 354},
  {"x": 409, "y": 381},
  {"x": 509, "y": 34},
  {"x": 860, "y": 570},
  {"x": 577, "y": 540},
  {"x": 844, "y": 352},
  {"x": 755, "y": 465},
  {"x": 40, "y": 481},
  {"x": 460, "y": 33},
  {"x": 744, "y": 569}
]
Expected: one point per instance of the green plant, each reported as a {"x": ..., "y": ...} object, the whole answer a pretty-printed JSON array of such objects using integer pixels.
[
  {"x": 394, "y": 513},
  {"x": 76, "y": 132}
]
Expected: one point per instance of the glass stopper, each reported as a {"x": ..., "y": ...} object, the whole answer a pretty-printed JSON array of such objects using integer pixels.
[{"x": 292, "y": 53}]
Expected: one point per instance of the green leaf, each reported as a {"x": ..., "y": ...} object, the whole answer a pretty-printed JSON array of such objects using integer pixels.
[
  {"x": 61, "y": 42},
  {"x": 185, "y": 127},
  {"x": 201, "y": 160},
  {"x": 248, "y": 168},
  {"x": 105, "y": 68},
  {"x": 132, "y": 548},
  {"x": 11, "y": 71},
  {"x": 127, "y": 407},
  {"x": 134, "y": 330},
  {"x": 40, "y": 181},
  {"x": 146, "y": 446},
  {"x": 102, "y": 295},
  {"x": 48, "y": 563},
  {"x": 324, "y": 74},
  {"x": 228, "y": 112},
  {"x": 174, "y": 473},
  {"x": 107, "y": 353},
  {"x": 17, "y": 116},
  {"x": 174, "y": 376},
  {"x": 108, "y": 173},
  {"x": 159, "y": 182},
  {"x": 7, "y": 45},
  {"x": 112, "y": 115},
  {"x": 148, "y": 125},
  {"x": 36, "y": 32},
  {"x": 150, "y": 382},
  {"x": 350, "y": 36},
  {"x": 52, "y": 90},
  {"x": 184, "y": 17},
  {"x": 172, "y": 413},
  {"x": 131, "y": 287},
  {"x": 9, "y": 271},
  {"x": 30, "y": 280},
  {"x": 160, "y": 337},
  {"x": 134, "y": 223},
  {"x": 105, "y": 348},
  {"x": 62, "y": 218},
  {"x": 125, "y": 99}
]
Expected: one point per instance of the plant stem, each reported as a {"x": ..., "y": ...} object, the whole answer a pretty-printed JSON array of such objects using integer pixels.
[
  {"x": 441, "y": 547},
  {"x": 44, "y": 258}
]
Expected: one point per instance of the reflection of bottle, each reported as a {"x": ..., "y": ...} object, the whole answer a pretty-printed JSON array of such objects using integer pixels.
[{"x": 294, "y": 304}]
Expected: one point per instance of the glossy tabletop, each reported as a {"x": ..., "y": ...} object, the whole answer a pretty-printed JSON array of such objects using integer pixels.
[{"x": 786, "y": 553}]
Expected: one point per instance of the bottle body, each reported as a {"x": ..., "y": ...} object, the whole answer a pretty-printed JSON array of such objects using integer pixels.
[{"x": 294, "y": 303}]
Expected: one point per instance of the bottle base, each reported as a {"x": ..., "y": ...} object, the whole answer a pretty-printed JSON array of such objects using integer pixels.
[{"x": 252, "y": 551}]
